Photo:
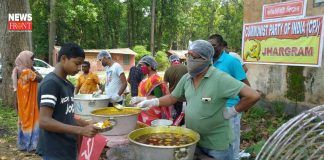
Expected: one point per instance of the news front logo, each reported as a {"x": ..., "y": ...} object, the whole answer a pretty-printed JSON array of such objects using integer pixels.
[{"x": 20, "y": 22}]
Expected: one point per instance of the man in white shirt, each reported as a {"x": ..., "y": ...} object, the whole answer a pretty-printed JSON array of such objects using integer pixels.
[{"x": 115, "y": 78}]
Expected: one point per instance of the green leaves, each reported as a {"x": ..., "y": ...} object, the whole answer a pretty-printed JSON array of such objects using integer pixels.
[
  {"x": 162, "y": 59},
  {"x": 120, "y": 24},
  {"x": 141, "y": 52}
]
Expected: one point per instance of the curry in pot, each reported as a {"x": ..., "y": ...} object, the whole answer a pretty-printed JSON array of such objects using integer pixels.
[
  {"x": 113, "y": 111},
  {"x": 164, "y": 139}
]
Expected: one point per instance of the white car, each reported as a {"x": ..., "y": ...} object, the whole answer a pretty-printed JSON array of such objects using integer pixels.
[{"x": 42, "y": 67}]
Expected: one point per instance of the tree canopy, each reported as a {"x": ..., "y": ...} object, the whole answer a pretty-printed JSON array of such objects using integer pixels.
[{"x": 126, "y": 23}]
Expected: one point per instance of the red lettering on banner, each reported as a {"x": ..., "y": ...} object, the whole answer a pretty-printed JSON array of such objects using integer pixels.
[
  {"x": 284, "y": 9},
  {"x": 290, "y": 29}
]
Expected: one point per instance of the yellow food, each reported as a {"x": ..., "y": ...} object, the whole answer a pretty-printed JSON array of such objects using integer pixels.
[
  {"x": 114, "y": 111},
  {"x": 104, "y": 124}
]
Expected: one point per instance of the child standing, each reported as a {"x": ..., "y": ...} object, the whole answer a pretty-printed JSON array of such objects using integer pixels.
[{"x": 59, "y": 128}]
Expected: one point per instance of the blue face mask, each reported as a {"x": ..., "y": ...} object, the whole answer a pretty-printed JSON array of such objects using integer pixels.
[{"x": 196, "y": 66}]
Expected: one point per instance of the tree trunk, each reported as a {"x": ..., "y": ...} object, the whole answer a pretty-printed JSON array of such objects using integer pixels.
[
  {"x": 52, "y": 32},
  {"x": 11, "y": 44},
  {"x": 130, "y": 16},
  {"x": 113, "y": 36},
  {"x": 210, "y": 28},
  {"x": 117, "y": 27},
  {"x": 106, "y": 19},
  {"x": 152, "y": 45},
  {"x": 161, "y": 24}
]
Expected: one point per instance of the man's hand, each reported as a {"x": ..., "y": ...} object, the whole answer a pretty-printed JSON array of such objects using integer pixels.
[
  {"x": 147, "y": 104},
  {"x": 135, "y": 100},
  {"x": 229, "y": 112},
  {"x": 89, "y": 130},
  {"x": 97, "y": 93},
  {"x": 116, "y": 98}
]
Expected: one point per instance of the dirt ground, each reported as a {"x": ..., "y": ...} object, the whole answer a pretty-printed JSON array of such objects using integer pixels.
[{"x": 8, "y": 151}]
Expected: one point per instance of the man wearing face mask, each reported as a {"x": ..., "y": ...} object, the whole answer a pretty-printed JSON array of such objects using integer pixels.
[
  {"x": 206, "y": 90},
  {"x": 115, "y": 78}
]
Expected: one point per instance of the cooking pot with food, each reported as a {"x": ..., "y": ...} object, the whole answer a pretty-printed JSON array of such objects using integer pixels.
[
  {"x": 85, "y": 103},
  {"x": 164, "y": 143},
  {"x": 125, "y": 119}
]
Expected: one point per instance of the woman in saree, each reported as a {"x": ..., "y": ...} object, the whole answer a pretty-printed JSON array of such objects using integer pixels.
[
  {"x": 25, "y": 80},
  {"x": 150, "y": 87}
]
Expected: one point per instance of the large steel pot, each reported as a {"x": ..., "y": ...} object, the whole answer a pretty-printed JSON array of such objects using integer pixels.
[
  {"x": 126, "y": 119},
  {"x": 85, "y": 103},
  {"x": 150, "y": 152}
]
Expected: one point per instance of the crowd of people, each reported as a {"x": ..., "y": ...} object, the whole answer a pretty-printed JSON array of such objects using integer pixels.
[{"x": 213, "y": 86}]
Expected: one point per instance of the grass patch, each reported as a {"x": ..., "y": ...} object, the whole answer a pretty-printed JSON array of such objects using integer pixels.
[
  {"x": 258, "y": 124},
  {"x": 8, "y": 123}
]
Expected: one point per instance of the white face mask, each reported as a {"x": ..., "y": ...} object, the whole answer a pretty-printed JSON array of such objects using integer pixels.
[{"x": 196, "y": 66}]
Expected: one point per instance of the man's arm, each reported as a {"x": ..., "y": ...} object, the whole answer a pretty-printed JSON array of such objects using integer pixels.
[
  {"x": 48, "y": 123},
  {"x": 76, "y": 90},
  {"x": 167, "y": 100},
  {"x": 248, "y": 98},
  {"x": 237, "y": 71},
  {"x": 122, "y": 78},
  {"x": 130, "y": 74},
  {"x": 78, "y": 85},
  {"x": 245, "y": 68},
  {"x": 246, "y": 81},
  {"x": 102, "y": 87},
  {"x": 128, "y": 79},
  {"x": 166, "y": 79},
  {"x": 81, "y": 122},
  {"x": 97, "y": 81}
]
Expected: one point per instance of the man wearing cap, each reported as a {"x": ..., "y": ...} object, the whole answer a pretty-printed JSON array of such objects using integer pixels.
[
  {"x": 206, "y": 90},
  {"x": 172, "y": 76},
  {"x": 115, "y": 78},
  {"x": 88, "y": 82},
  {"x": 232, "y": 66}
]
